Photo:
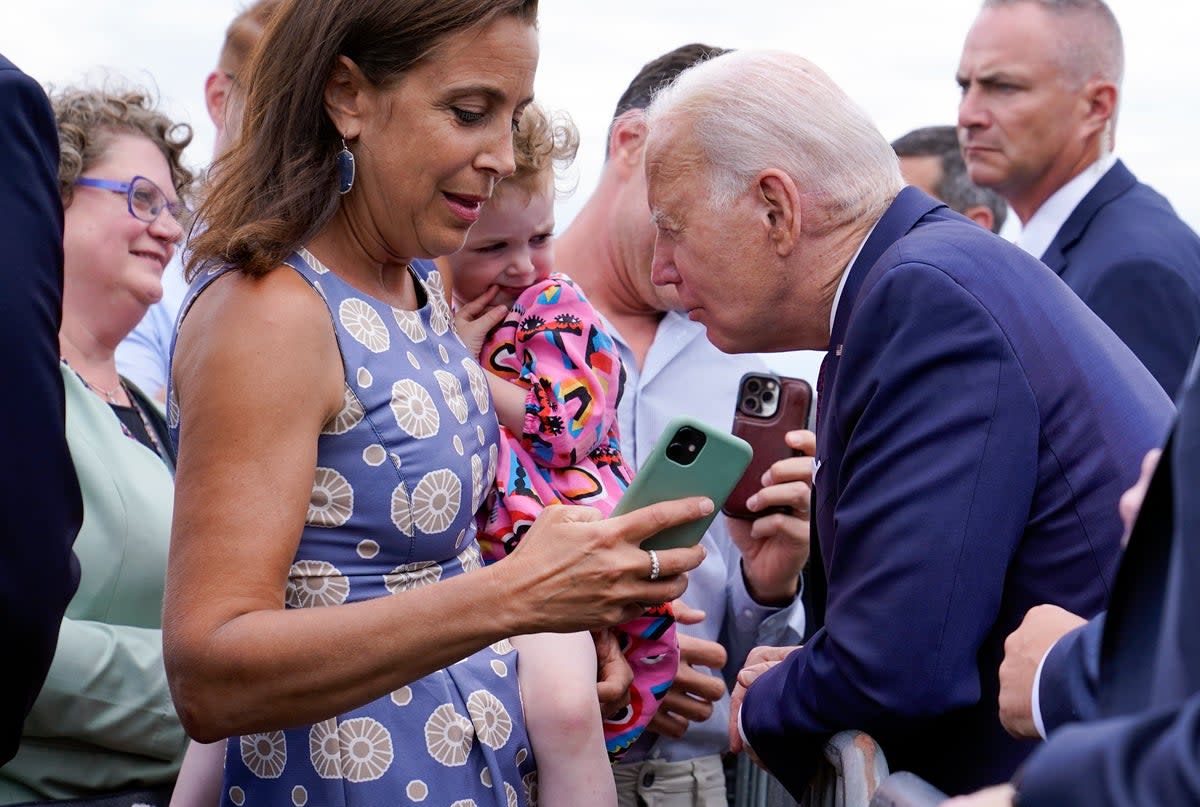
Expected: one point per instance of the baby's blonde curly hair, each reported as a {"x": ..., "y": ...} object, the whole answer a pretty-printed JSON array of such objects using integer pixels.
[
  {"x": 88, "y": 119},
  {"x": 543, "y": 144}
]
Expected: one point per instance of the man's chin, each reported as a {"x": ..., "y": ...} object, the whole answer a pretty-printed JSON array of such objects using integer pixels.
[{"x": 726, "y": 343}]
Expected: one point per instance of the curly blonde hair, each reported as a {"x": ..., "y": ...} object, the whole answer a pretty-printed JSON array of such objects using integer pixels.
[
  {"x": 88, "y": 119},
  {"x": 543, "y": 143}
]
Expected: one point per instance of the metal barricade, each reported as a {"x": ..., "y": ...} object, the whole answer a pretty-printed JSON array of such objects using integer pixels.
[
  {"x": 853, "y": 768},
  {"x": 904, "y": 789}
]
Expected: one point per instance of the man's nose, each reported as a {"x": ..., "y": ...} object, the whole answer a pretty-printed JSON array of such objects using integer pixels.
[
  {"x": 972, "y": 111},
  {"x": 662, "y": 265}
]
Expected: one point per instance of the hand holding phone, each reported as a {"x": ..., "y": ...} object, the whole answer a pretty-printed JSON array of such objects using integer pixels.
[
  {"x": 768, "y": 407},
  {"x": 689, "y": 459}
]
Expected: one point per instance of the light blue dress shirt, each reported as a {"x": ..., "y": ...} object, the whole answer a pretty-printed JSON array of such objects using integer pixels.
[{"x": 684, "y": 374}]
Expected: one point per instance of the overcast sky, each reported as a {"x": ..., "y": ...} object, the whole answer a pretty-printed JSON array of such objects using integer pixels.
[{"x": 896, "y": 59}]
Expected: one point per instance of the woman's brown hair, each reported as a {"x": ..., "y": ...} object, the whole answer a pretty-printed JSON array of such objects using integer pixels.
[{"x": 278, "y": 186}]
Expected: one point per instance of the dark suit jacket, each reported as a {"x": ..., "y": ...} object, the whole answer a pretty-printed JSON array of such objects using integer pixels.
[
  {"x": 980, "y": 424},
  {"x": 38, "y": 572},
  {"x": 1135, "y": 675},
  {"x": 1126, "y": 253}
]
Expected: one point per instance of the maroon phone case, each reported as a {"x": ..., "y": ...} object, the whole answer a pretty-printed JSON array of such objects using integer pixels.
[{"x": 765, "y": 435}]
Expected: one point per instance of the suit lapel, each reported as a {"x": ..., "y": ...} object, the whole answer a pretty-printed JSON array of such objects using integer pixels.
[
  {"x": 1117, "y": 181},
  {"x": 909, "y": 207}
]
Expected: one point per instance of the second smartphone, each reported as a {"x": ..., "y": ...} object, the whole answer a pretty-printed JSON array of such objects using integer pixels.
[
  {"x": 768, "y": 407},
  {"x": 689, "y": 459}
]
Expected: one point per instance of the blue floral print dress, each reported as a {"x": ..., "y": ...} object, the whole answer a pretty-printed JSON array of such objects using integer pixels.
[{"x": 401, "y": 471}]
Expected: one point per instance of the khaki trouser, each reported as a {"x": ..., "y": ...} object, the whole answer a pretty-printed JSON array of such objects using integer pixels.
[{"x": 697, "y": 782}]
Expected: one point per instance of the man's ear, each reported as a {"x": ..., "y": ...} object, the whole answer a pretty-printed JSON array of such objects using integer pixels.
[
  {"x": 216, "y": 94},
  {"x": 1101, "y": 99},
  {"x": 779, "y": 202},
  {"x": 981, "y": 215},
  {"x": 627, "y": 142},
  {"x": 346, "y": 97}
]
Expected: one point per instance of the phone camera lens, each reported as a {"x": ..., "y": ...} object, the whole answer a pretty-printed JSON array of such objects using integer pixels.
[
  {"x": 685, "y": 445},
  {"x": 753, "y": 386},
  {"x": 768, "y": 396},
  {"x": 751, "y": 404}
]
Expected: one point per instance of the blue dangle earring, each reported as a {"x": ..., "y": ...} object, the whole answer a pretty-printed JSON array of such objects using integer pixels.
[{"x": 345, "y": 166}]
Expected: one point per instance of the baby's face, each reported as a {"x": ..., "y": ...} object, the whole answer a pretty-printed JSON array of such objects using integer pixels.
[{"x": 511, "y": 246}]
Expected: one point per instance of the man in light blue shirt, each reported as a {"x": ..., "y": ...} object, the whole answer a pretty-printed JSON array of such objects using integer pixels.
[{"x": 748, "y": 596}]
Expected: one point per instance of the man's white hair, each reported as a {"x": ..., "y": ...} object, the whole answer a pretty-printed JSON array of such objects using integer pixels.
[{"x": 755, "y": 110}]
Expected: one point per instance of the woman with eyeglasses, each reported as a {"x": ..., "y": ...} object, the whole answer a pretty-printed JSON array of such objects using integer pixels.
[{"x": 104, "y": 722}]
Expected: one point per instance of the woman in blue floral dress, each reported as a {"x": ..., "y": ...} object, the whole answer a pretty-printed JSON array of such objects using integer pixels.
[{"x": 325, "y": 608}]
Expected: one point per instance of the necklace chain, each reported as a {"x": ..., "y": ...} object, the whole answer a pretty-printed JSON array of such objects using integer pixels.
[{"x": 111, "y": 397}]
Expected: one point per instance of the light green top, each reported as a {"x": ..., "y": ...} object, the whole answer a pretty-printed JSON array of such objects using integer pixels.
[{"x": 104, "y": 720}]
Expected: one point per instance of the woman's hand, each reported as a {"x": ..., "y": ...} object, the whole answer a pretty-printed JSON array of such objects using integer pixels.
[
  {"x": 474, "y": 320},
  {"x": 575, "y": 570}
]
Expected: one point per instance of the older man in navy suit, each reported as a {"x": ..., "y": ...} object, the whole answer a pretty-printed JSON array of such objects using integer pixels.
[
  {"x": 38, "y": 572},
  {"x": 1041, "y": 82},
  {"x": 975, "y": 420}
]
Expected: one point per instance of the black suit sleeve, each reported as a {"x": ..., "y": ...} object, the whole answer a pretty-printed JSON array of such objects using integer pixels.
[{"x": 38, "y": 571}]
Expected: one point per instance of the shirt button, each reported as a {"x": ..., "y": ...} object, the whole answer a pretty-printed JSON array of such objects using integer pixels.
[{"x": 648, "y": 779}]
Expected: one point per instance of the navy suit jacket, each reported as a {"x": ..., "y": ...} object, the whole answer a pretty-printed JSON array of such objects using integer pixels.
[
  {"x": 979, "y": 425},
  {"x": 38, "y": 571},
  {"x": 1137, "y": 674},
  {"x": 1126, "y": 253}
]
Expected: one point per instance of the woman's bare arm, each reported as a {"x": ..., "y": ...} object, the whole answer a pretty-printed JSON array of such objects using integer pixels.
[{"x": 258, "y": 375}]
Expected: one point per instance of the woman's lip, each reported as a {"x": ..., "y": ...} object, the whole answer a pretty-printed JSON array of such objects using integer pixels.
[
  {"x": 159, "y": 259},
  {"x": 465, "y": 207}
]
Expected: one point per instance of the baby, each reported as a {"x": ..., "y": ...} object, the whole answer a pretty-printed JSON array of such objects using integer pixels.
[{"x": 555, "y": 378}]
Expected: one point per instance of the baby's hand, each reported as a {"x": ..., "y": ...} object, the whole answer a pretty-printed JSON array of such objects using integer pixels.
[{"x": 473, "y": 320}]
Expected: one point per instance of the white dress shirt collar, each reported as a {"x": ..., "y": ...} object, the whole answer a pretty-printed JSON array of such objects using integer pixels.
[
  {"x": 837, "y": 295},
  {"x": 1047, "y": 220}
]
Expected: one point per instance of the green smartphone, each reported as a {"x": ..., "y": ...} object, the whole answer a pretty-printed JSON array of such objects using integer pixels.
[{"x": 690, "y": 459}]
